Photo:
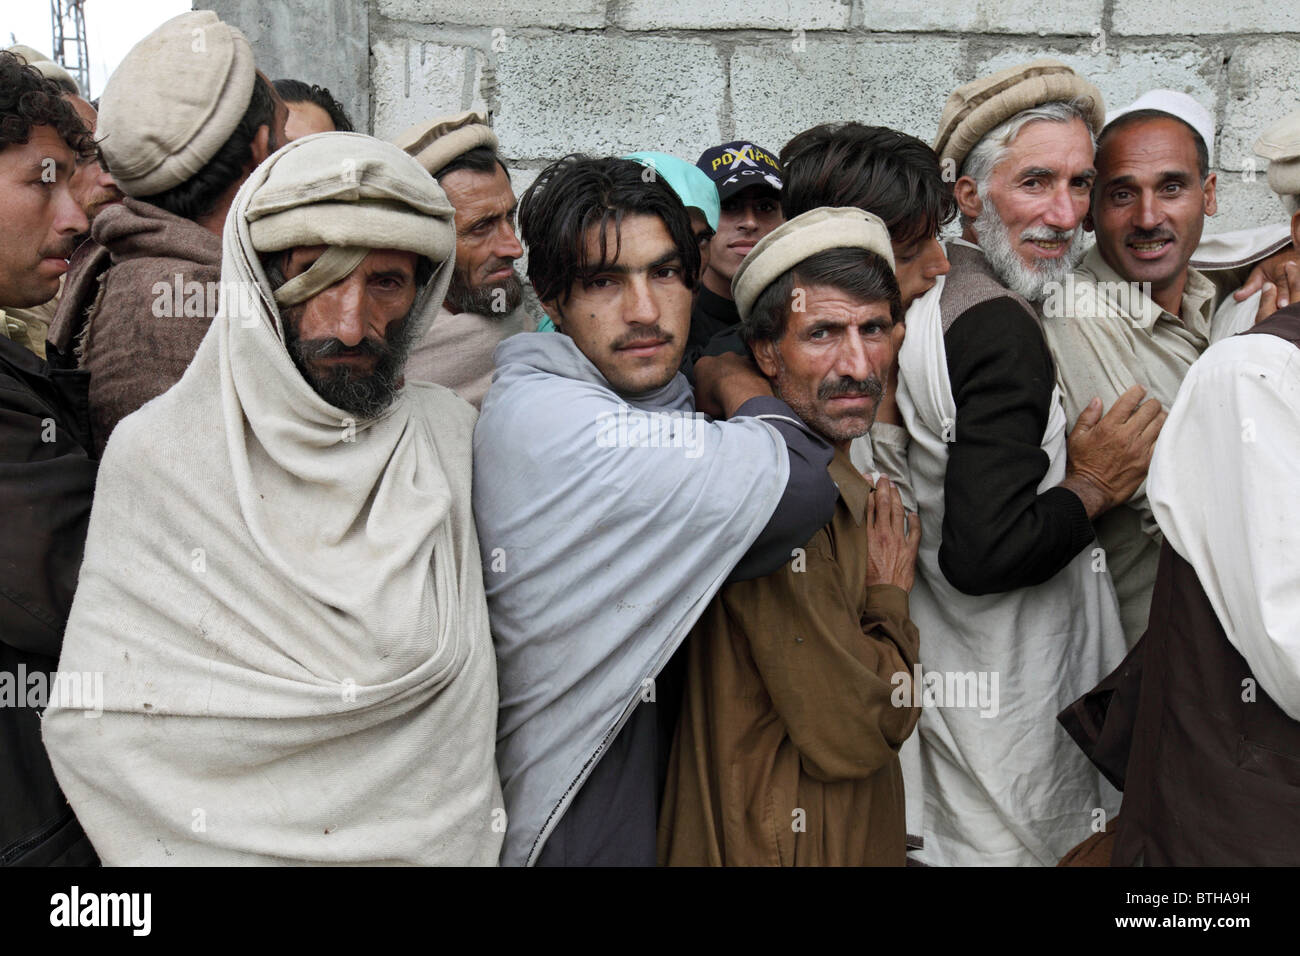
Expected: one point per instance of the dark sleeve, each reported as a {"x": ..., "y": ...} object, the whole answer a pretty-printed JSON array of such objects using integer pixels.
[
  {"x": 728, "y": 340},
  {"x": 46, "y": 484},
  {"x": 808, "y": 503},
  {"x": 999, "y": 533}
]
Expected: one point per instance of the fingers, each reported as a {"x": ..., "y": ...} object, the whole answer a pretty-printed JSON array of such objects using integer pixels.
[
  {"x": 1089, "y": 417},
  {"x": 1288, "y": 285},
  {"x": 1126, "y": 404},
  {"x": 1152, "y": 430},
  {"x": 894, "y": 502},
  {"x": 1254, "y": 282},
  {"x": 1267, "y": 302},
  {"x": 913, "y": 532},
  {"x": 1146, "y": 414}
]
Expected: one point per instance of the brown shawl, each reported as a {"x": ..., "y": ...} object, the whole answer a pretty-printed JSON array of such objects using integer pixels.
[{"x": 136, "y": 304}]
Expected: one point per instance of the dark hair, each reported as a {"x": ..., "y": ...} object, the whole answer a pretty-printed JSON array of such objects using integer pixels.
[
  {"x": 28, "y": 100},
  {"x": 579, "y": 193},
  {"x": 881, "y": 170},
  {"x": 296, "y": 91},
  {"x": 857, "y": 272},
  {"x": 1140, "y": 116},
  {"x": 480, "y": 159},
  {"x": 198, "y": 195}
]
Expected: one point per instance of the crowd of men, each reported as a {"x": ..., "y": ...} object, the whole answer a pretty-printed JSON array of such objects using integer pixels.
[{"x": 841, "y": 505}]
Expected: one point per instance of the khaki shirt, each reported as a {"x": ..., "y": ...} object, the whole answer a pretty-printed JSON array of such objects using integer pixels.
[
  {"x": 1107, "y": 335},
  {"x": 787, "y": 749}
]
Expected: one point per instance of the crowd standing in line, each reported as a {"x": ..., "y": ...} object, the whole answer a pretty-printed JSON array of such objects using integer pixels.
[{"x": 835, "y": 505}]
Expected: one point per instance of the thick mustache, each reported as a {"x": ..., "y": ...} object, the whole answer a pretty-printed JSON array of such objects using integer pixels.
[
  {"x": 1153, "y": 236},
  {"x": 849, "y": 387},
  {"x": 1051, "y": 235},
  {"x": 62, "y": 251},
  {"x": 331, "y": 348}
]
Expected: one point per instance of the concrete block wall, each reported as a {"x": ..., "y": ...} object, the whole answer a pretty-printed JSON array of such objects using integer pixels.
[{"x": 612, "y": 76}]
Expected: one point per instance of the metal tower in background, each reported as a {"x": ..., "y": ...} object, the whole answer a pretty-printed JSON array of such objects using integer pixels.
[{"x": 68, "y": 21}]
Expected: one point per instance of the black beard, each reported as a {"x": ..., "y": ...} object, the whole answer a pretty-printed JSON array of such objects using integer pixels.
[
  {"x": 485, "y": 300},
  {"x": 367, "y": 395}
]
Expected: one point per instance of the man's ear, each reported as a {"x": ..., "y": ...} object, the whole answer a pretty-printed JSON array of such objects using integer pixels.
[
  {"x": 766, "y": 356},
  {"x": 967, "y": 195},
  {"x": 1211, "y": 194},
  {"x": 258, "y": 147},
  {"x": 552, "y": 310}
]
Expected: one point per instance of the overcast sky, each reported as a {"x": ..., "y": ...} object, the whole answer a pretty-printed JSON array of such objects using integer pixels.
[{"x": 112, "y": 28}]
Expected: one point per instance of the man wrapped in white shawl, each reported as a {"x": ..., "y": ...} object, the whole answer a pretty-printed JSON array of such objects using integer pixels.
[{"x": 284, "y": 597}]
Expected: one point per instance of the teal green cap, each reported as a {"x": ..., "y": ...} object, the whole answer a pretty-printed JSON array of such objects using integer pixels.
[{"x": 692, "y": 186}]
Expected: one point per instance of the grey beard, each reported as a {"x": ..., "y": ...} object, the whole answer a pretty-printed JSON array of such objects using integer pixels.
[
  {"x": 494, "y": 301},
  {"x": 1028, "y": 282}
]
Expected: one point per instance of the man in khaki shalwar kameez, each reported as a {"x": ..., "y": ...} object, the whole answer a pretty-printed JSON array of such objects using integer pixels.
[
  {"x": 798, "y": 690},
  {"x": 1135, "y": 312}
]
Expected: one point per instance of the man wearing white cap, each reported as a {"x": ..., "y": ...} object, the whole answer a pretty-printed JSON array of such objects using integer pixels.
[
  {"x": 483, "y": 303},
  {"x": 282, "y": 587},
  {"x": 182, "y": 122},
  {"x": 787, "y": 748},
  {"x": 1006, "y": 585},
  {"x": 1135, "y": 312}
]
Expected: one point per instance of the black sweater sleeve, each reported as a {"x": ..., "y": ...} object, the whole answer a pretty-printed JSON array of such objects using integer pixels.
[
  {"x": 808, "y": 503},
  {"x": 999, "y": 533}
]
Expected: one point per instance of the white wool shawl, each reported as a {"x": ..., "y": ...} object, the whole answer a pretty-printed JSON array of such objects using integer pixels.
[{"x": 286, "y": 605}]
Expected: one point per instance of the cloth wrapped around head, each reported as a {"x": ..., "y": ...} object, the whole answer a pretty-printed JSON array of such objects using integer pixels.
[{"x": 352, "y": 193}]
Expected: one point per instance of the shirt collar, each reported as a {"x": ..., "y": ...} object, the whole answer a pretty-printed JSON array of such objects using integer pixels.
[
  {"x": 1144, "y": 312},
  {"x": 855, "y": 490}
]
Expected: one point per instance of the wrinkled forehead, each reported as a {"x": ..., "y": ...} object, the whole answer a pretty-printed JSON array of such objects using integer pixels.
[{"x": 1062, "y": 149}]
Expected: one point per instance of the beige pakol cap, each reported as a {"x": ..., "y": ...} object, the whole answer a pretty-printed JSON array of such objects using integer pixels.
[
  {"x": 173, "y": 102},
  {"x": 1280, "y": 145},
  {"x": 43, "y": 64},
  {"x": 807, "y": 234},
  {"x": 976, "y": 108},
  {"x": 436, "y": 142}
]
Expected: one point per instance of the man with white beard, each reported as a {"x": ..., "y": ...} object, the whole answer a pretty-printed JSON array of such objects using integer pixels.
[{"x": 1006, "y": 586}]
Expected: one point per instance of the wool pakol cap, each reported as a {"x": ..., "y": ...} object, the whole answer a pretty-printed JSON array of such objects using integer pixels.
[
  {"x": 43, "y": 64},
  {"x": 1179, "y": 106},
  {"x": 1280, "y": 145},
  {"x": 977, "y": 108},
  {"x": 807, "y": 234},
  {"x": 688, "y": 181},
  {"x": 173, "y": 102},
  {"x": 435, "y": 143}
]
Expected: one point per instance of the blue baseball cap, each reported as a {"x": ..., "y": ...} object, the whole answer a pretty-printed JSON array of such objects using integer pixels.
[{"x": 692, "y": 186}]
